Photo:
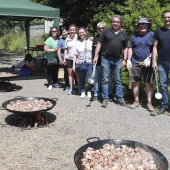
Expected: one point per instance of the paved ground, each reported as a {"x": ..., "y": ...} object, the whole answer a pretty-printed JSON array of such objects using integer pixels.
[{"x": 71, "y": 123}]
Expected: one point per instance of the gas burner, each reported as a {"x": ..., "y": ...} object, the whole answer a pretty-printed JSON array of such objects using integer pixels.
[{"x": 31, "y": 121}]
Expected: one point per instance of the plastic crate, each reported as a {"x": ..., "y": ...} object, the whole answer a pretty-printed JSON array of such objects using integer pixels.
[
  {"x": 16, "y": 69},
  {"x": 25, "y": 72}
]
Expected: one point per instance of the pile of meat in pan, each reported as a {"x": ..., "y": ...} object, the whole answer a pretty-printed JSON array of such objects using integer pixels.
[
  {"x": 5, "y": 74},
  {"x": 29, "y": 105},
  {"x": 112, "y": 158}
]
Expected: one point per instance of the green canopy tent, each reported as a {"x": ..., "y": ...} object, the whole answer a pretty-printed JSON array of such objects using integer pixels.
[{"x": 23, "y": 10}]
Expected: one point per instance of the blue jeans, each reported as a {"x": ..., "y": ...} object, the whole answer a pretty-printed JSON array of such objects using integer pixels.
[
  {"x": 83, "y": 76},
  {"x": 111, "y": 65},
  {"x": 163, "y": 69},
  {"x": 97, "y": 81}
]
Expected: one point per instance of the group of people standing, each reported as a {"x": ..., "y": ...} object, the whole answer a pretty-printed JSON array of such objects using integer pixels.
[{"x": 81, "y": 56}]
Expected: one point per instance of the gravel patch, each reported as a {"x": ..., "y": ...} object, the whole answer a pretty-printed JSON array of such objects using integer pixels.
[{"x": 53, "y": 147}]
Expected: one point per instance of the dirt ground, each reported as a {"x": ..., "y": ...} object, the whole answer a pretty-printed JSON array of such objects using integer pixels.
[{"x": 71, "y": 122}]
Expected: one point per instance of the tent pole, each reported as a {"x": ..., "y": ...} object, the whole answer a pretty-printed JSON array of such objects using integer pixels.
[{"x": 27, "y": 29}]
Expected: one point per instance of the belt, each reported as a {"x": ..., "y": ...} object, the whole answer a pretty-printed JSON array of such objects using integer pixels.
[
  {"x": 139, "y": 62},
  {"x": 110, "y": 56}
]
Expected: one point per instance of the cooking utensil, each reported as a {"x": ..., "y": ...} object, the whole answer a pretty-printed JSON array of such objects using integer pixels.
[
  {"x": 53, "y": 101},
  {"x": 159, "y": 158},
  {"x": 130, "y": 78},
  {"x": 157, "y": 94},
  {"x": 89, "y": 105},
  {"x": 91, "y": 80}
]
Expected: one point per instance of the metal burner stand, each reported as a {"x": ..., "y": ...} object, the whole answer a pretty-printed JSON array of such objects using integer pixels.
[{"x": 28, "y": 119}]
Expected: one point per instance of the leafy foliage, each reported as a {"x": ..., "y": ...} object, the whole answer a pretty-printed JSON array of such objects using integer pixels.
[
  {"x": 88, "y": 13},
  {"x": 134, "y": 10}
]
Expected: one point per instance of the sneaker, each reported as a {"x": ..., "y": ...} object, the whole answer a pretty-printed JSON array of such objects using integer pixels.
[
  {"x": 67, "y": 89},
  {"x": 134, "y": 105},
  {"x": 50, "y": 87},
  {"x": 122, "y": 103},
  {"x": 110, "y": 98},
  {"x": 82, "y": 95},
  {"x": 149, "y": 107},
  {"x": 89, "y": 94},
  {"x": 56, "y": 85},
  {"x": 69, "y": 92},
  {"x": 162, "y": 110},
  {"x": 105, "y": 103},
  {"x": 73, "y": 91}
]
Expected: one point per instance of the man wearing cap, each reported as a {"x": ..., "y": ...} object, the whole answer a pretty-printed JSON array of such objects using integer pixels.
[
  {"x": 139, "y": 61},
  {"x": 112, "y": 41},
  {"x": 98, "y": 72},
  {"x": 162, "y": 47}
]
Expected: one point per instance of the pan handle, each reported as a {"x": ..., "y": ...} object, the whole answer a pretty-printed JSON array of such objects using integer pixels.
[
  {"x": 17, "y": 97},
  {"x": 88, "y": 139},
  {"x": 1, "y": 108},
  {"x": 56, "y": 99}
]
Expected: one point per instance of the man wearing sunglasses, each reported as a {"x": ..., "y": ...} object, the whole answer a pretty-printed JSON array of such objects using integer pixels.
[
  {"x": 139, "y": 61},
  {"x": 98, "y": 71}
]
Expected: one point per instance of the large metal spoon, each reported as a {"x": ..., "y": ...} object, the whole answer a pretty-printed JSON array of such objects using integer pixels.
[
  {"x": 91, "y": 79},
  {"x": 157, "y": 94}
]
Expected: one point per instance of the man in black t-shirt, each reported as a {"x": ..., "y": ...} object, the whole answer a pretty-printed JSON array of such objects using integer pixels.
[
  {"x": 111, "y": 43},
  {"x": 162, "y": 47},
  {"x": 98, "y": 71}
]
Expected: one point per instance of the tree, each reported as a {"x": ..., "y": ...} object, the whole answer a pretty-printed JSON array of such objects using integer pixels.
[
  {"x": 80, "y": 12},
  {"x": 150, "y": 9},
  {"x": 88, "y": 13}
]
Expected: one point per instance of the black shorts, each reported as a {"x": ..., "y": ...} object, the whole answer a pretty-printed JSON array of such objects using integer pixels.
[
  {"x": 69, "y": 63},
  {"x": 139, "y": 72}
]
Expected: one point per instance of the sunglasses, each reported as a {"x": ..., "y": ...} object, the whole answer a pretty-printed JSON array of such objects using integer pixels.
[
  {"x": 54, "y": 31},
  {"x": 101, "y": 28},
  {"x": 143, "y": 24}
]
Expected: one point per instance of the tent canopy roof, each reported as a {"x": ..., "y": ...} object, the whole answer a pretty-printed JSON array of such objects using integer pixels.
[{"x": 22, "y": 10}]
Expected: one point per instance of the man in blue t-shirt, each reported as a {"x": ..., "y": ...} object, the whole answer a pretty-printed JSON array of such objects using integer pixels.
[
  {"x": 162, "y": 47},
  {"x": 139, "y": 61},
  {"x": 61, "y": 44}
]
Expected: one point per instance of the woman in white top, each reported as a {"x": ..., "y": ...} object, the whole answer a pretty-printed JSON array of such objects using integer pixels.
[
  {"x": 83, "y": 55},
  {"x": 68, "y": 55}
]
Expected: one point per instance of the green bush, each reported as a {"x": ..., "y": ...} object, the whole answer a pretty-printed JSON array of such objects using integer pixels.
[
  {"x": 7, "y": 40},
  {"x": 17, "y": 44}
]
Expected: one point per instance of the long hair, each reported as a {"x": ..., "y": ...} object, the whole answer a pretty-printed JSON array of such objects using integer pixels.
[
  {"x": 87, "y": 36},
  {"x": 54, "y": 27}
]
